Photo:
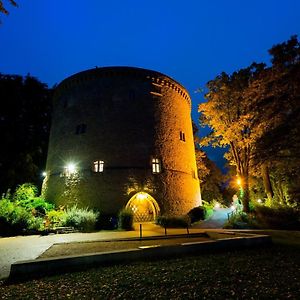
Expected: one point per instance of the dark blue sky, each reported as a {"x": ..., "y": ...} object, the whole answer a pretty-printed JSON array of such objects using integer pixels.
[{"x": 191, "y": 41}]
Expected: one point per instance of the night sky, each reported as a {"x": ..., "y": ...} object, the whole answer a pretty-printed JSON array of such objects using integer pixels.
[{"x": 191, "y": 41}]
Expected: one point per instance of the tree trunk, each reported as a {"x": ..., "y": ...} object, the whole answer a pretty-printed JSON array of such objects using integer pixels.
[
  {"x": 267, "y": 181},
  {"x": 246, "y": 196}
]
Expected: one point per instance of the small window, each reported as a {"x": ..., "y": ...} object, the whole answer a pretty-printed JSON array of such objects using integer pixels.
[
  {"x": 182, "y": 136},
  {"x": 81, "y": 128},
  {"x": 156, "y": 167},
  {"x": 98, "y": 166}
]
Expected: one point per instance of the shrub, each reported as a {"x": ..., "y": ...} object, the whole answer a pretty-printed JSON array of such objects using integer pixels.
[
  {"x": 209, "y": 208},
  {"x": 173, "y": 222},
  {"x": 125, "y": 219},
  {"x": 241, "y": 220},
  {"x": 25, "y": 191},
  {"x": 278, "y": 217},
  {"x": 196, "y": 214},
  {"x": 82, "y": 219},
  {"x": 14, "y": 219},
  {"x": 55, "y": 218},
  {"x": 37, "y": 205},
  {"x": 107, "y": 222}
]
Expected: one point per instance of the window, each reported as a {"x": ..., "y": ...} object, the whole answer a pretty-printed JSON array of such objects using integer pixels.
[
  {"x": 81, "y": 128},
  {"x": 182, "y": 136},
  {"x": 98, "y": 166},
  {"x": 156, "y": 167}
]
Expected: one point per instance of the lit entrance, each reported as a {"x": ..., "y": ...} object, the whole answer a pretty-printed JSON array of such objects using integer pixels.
[{"x": 144, "y": 207}]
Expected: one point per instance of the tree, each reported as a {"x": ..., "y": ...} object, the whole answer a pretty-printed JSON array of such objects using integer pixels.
[
  {"x": 276, "y": 93},
  {"x": 232, "y": 123},
  {"x": 24, "y": 129},
  {"x": 255, "y": 111},
  {"x": 210, "y": 176},
  {"x": 3, "y": 8}
]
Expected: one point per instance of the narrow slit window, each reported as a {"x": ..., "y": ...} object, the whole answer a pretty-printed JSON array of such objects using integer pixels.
[
  {"x": 98, "y": 166},
  {"x": 156, "y": 167},
  {"x": 182, "y": 136}
]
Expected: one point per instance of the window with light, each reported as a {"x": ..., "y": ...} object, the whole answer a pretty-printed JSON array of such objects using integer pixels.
[
  {"x": 98, "y": 166},
  {"x": 156, "y": 167}
]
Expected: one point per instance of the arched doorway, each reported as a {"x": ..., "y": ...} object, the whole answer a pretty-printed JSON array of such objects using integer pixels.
[{"x": 144, "y": 207}]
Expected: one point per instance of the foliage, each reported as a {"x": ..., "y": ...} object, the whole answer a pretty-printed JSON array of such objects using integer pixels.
[
  {"x": 196, "y": 214},
  {"x": 55, "y": 218},
  {"x": 14, "y": 219},
  {"x": 3, "y": 8},
  {"x": 107, "y": 222},
  {"x": 209, "y": 208},
  {"x": 252, "y": 110},
  {"x": 25, "y": 191},
  {"x": 173, "y": 222},
  {"x": 277, "y": 218},
  {"x": 24, "y": 129},
  {"x": 82, "y": 219},
  {"x": 241, "y": 220},
  {"x": 125, "y": 219}
]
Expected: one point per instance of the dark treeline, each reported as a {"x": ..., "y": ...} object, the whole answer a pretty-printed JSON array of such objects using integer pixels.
[{"x": 25, "y": 108}]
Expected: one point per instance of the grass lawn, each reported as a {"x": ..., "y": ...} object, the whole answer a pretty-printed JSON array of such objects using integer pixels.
[{"x": 262, "y": 273}]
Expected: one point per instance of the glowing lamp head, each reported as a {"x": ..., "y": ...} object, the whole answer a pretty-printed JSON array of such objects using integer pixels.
[
  {"x": 71, "y": 168},
  {"x": 141, "y": 196},
  {"x": 239, "y": 181},
  {"x": 44, "y": 174},
  {"x": 259, "y": 200}
]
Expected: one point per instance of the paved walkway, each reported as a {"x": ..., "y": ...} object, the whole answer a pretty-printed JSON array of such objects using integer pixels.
[
  {"x": 20, "y": 248},
  {"x": 217, "y": 220}
]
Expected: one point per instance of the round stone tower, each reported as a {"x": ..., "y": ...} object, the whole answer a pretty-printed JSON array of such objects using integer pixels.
[{"x": 122, "y": 137}]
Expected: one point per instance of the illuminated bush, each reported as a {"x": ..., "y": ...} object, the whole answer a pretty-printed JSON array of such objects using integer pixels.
[
  {"x": 25, "y": 192},
  {"x": 82, "y": 219},
  {"x": 125, "y": 219}
]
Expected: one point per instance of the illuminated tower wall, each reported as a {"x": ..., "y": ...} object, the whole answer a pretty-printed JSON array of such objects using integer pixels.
[{"x": 126, "y": 130}]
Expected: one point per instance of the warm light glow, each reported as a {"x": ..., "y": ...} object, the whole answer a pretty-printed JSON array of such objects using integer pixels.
[
  {"x": 44, "y": 174},
  {"x": 141, "y": 196},
  {"x": 239, "y": 181},
  {"x": 70, "y": 168},
  {"x": 217, "y": 205},
  {"x": 98, "y": 166},
  {"x": 259, "y": 200}
]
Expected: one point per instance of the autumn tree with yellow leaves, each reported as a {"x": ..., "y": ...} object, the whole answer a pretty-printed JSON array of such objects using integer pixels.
[{"x": 253, "y": 104}]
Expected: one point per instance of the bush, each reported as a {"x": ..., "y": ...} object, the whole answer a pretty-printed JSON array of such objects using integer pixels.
[
  {"x": 241, "y": 221},
  {"x": 173, "y": 222},
  {"x": 125, "y": 219},
  {"x": 37, "y": 205},
  {"x": 107, "y": 222},
  {"x": 82, "y": 219},
  {"x": 196, "y": 214},
  {"x": 55, "y": 218},
  {"x": 278, "y": 218},
  {"x": 25, "y": 191},
  {"x": 209, "y": 208},
  {"x": 14, "y": 219}
]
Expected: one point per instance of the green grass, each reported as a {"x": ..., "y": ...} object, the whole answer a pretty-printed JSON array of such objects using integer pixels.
[{"x": 261, "y": 273}]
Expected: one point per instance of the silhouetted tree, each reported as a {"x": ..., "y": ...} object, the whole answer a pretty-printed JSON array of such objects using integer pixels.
[
  {"x": 25, "y": 108},
  {"x": 3, "y": 8}
]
